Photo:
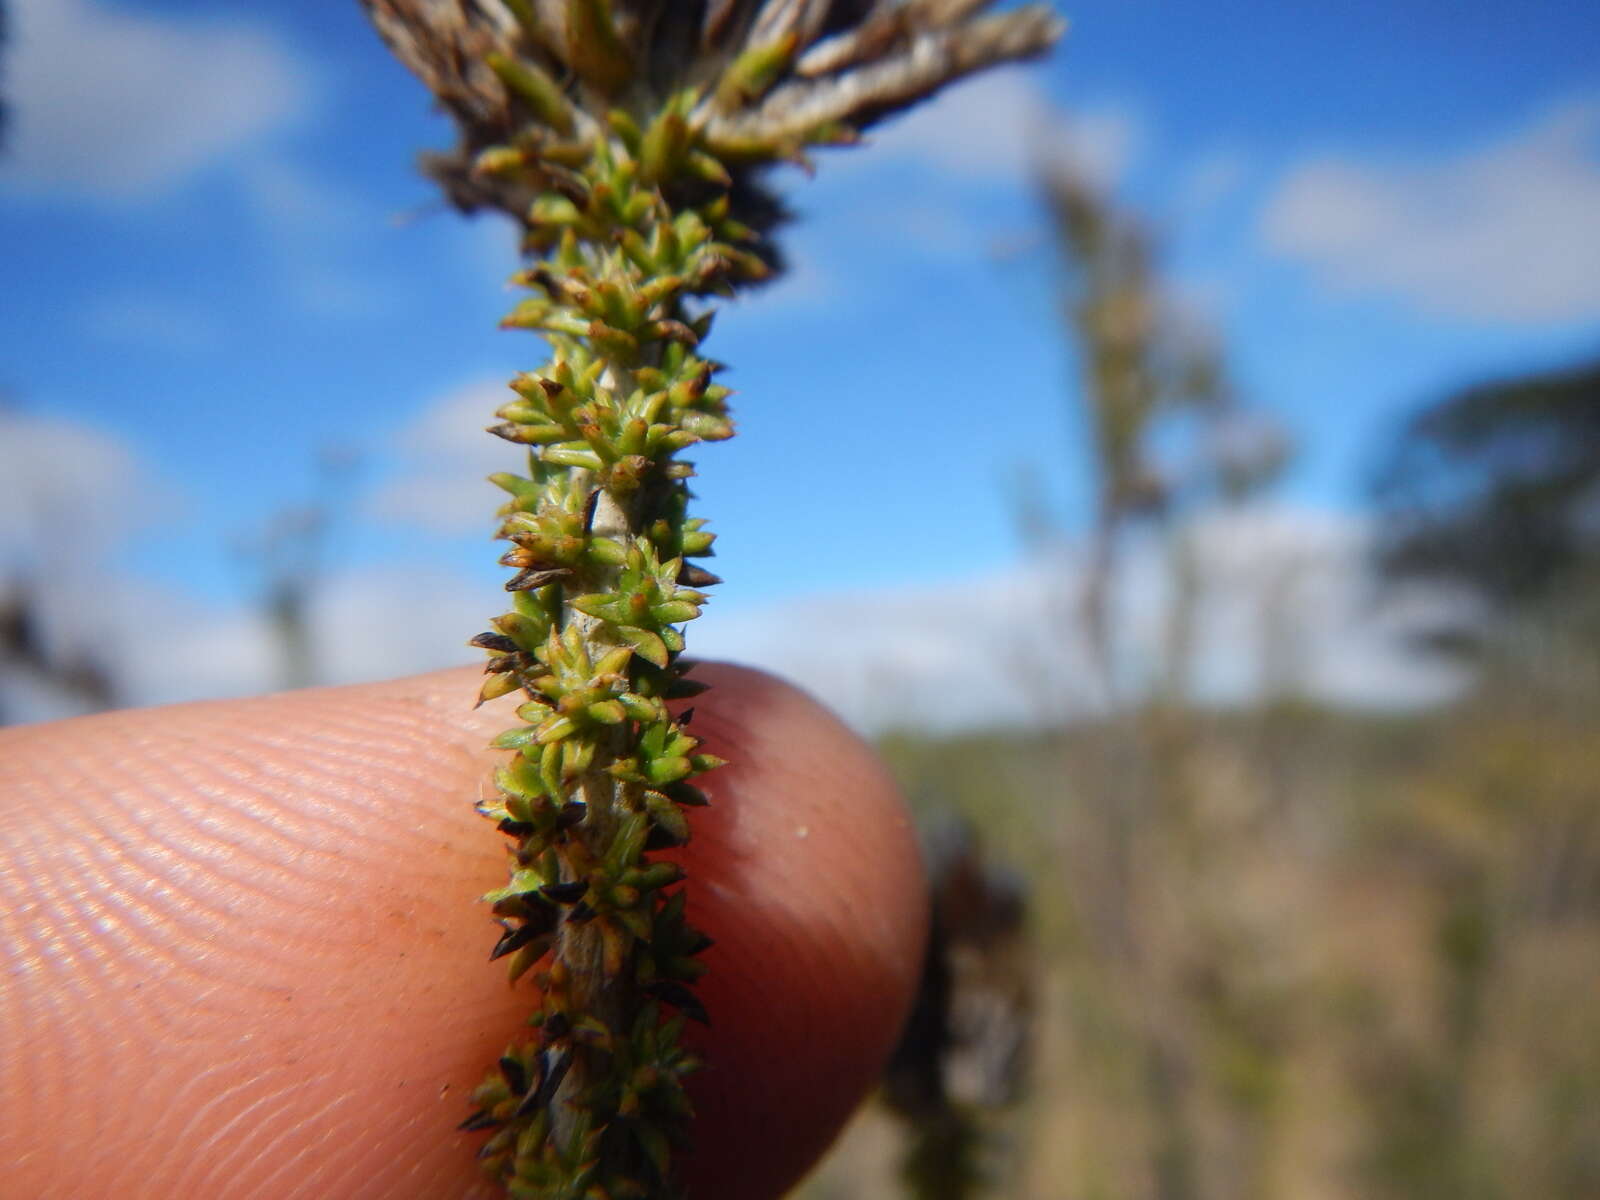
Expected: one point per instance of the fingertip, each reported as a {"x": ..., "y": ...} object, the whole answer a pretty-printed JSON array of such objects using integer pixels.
[
  {"x": 319, "y": 849},
  {"x": 806, "y": 869}
]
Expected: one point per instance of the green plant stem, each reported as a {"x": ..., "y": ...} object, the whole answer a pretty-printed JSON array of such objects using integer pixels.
[
  {"x": 626, "y": 138},
  {"x": 599, "y": 774}
]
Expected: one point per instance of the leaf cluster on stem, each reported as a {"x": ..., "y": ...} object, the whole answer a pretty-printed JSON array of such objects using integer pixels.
[{"x": 627, "y": 137}]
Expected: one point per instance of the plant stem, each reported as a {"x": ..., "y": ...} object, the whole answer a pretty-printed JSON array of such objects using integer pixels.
[{"x": 626, "y": 138}]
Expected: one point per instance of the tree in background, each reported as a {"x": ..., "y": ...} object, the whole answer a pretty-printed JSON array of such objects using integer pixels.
[
  {"x": 1144, "y": 367},
  {"x": 1293, "y": 951},
  {"x": 286, "y": 560},
  {"x": 1170, "y": 444},
  {"x": 1155, "y": 1061},
  {"x": 1496, "y": 489}
]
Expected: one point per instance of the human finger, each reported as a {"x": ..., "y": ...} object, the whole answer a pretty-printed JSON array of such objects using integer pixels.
[{"x": 243, "y": 956}]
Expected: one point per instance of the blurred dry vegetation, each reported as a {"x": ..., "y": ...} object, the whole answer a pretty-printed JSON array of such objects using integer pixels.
[{"x": 1284, "y": 950}]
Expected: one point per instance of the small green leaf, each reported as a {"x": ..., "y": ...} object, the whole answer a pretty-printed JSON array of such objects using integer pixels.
[
  {"x": 608, "y": 712},
  {"x": 593, "y": 47},
  {"x": 655, "y": 1146},
  {"x": 647, "y": 645},
  {"x": 675, "y": 612},
  {"x": 496, "y": 686},
  {"x": 664, "y": 146},
  {"x": 668, "y": 817},
  {"x": 515, "y": 484},
  {"x": 536, "y": 89},
  {"x": 754, "y": 72},
  {"x": 667, "y": 770}
]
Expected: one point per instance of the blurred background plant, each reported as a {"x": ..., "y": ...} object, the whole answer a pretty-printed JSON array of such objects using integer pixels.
[
  {"x": 1231, "y": 605},
  {"x": 1285, "y": 949}
]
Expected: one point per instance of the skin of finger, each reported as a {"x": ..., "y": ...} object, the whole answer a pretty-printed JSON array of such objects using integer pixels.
[{"x": 242, "y": 955}]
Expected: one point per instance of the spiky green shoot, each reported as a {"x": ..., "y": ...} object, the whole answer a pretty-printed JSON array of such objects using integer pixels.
[
  {"x": 600, "y": 772},
  {"x": 626, "y": 137}
]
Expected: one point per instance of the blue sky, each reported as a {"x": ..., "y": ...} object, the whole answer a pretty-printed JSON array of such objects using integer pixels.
[{"x": 222, "y": 265}]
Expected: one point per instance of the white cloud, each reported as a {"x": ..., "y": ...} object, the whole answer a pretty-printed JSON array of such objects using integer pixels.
[
  {"x": 70, "y": 496},
  {"x": 1509, "y": 232},
  {"x": 151, "y": 321},
  {"x": 947, "y": 162},
  {"x": 932, "y": 657},
  {"x": 314, "y": 225},
  {"x": 122, "y": 106},
  {"x": 1210, "y": 181},
  {"x": 288, "y": 198},
  {"x": 60, "y": 477},
  {"x": 1289, "y": 593},
  {"x": 1282, "y": 590},
  {"x": 997, "y": 127},
  {"x": 445, "y": 455},
  {"x": 803, "y": 287},
  {"x": 364, "y": 635},
  {"x": 1284, "y": 593},
  {"x": 364, "y": 625},
  {"x": 1101, "y": 144},
  {"x": 981, "y": 127},
  {"x": 1285, "y": 599},
  {"x": 161, "y": 646},
  {"x": 171, "y": 648},
  {"x": 326, "y": 290}
]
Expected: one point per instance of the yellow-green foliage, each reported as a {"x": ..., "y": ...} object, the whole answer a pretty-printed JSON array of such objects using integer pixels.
[{"x": 626, "y": 138}]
